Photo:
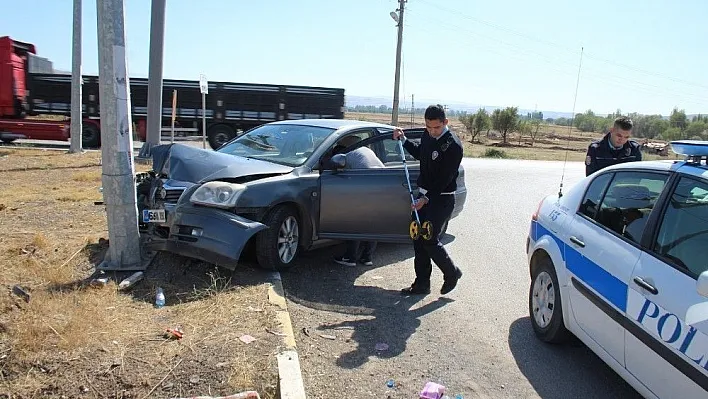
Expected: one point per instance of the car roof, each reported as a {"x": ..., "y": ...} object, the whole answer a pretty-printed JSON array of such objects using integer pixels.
[
  {"x": 332, "y": 123},
  {"x": 676, "y": 165}
]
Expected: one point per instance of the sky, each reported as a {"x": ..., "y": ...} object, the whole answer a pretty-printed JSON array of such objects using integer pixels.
[{"x": 637, "y": 56}]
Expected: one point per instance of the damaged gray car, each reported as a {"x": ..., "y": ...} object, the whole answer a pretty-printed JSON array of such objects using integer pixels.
[{"x": 274, "y": 190}]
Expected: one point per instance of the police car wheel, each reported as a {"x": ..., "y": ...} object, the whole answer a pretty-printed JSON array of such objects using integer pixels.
[{"x": 545, "y": 307}]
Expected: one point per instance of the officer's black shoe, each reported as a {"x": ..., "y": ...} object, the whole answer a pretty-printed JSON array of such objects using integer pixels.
[
  {"x": 450, "y": 283},
  {"x": 415, "y": 290}
]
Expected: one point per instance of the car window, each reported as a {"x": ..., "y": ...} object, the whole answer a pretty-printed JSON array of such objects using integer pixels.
[
  {"x": 683, "y": 232},
  {"x": 286, "y": 144},
  {"x": 392, "y": 153},
  {"x": 628, "y": 202},
  {"x": 593, "y": 196}
]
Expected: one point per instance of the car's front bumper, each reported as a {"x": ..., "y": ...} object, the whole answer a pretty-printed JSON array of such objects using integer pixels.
[{"x": 209, "y": 234}]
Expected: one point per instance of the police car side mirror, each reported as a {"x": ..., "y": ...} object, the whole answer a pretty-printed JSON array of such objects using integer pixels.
[
  {"x": 702, "y": 284},
  {"x": 339, "y": 160}
]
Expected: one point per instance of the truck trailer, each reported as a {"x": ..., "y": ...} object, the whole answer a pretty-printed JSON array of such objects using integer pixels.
[{"x": 29, "y": 89}]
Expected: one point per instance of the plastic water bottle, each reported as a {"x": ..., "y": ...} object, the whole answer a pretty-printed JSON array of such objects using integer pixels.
[{"x": 160, "y": 298}]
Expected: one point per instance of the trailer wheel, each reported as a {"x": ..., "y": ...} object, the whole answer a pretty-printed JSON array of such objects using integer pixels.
[
  {"x": 90, "y": 135},
  {"x": 219, "y": 134}
]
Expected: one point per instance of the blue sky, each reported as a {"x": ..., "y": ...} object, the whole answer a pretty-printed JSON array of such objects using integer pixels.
[{"x": 644, "y": 56}]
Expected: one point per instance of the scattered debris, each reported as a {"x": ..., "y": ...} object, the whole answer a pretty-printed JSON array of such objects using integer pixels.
[
  {"x": 2, "y": 207},
  {"x": 242, "y": 395},
  {"x": 194, "y": 379},
  {"x": 390, "y": 383},
  {"x": 306, "y": 331},
  {"x": 99, "y": 282},
  {"x": 174, "y": 333},
  {"x": 130, "y": 281},
  {"x": 276, "y": 333},
  {"x": 252, "y": 309},
  {"x": 344, "y": 328},
  {"x": 328, "y": 336},
  {"x": 432, "y": 390},
  {"x": 247, "y": 339},
  {"x": 381, "y": 346},
  {"x": 21, "y": 292}
]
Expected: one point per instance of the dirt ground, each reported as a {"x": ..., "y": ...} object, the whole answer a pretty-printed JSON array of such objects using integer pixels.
[{"x": 61, "y": 337}]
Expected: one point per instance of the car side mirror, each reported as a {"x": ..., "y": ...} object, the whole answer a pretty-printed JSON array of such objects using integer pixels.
[
  {"x": 339, "y": 160},
  {"x": 702, "y": 284}
]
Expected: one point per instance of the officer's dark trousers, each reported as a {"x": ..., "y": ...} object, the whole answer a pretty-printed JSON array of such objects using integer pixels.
[{"x": 437, "y": 211}]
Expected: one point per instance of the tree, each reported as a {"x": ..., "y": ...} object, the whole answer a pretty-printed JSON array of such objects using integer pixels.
[
  {"x": 475, "y": 123},
  {"x": 505, "y": 121},
  {"x": 696, "y": 129},
  {"x": 678, "y": 119},
  {"x": 533, "y": 132}
]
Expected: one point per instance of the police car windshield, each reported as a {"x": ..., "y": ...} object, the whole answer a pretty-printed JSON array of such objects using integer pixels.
[{"x": 287, "y": 144}]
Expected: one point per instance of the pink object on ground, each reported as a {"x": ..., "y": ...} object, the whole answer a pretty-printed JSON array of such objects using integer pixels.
[{"x": 432, "y": 390}]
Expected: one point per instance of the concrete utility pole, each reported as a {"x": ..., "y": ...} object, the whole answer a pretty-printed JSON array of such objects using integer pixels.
[
  {"x": 399, "y": 19},
  {"x": 154, "y": 106},
  {"x": 118, "y": 175},
  {"x": 76, "y": 82}
]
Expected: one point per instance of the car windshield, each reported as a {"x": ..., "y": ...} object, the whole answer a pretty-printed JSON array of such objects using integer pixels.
[{"x": 284, "y": 144}]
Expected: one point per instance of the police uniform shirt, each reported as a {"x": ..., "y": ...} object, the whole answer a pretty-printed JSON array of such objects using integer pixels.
[
  {"x": 602, "y": 154},
  {"x": 439, "y": 163}
]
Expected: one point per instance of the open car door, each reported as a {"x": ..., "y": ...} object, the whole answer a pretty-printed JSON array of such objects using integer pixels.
[{"x": 370, "y": 204}]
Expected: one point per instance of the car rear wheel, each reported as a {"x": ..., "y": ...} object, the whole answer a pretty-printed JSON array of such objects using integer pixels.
[
  {"x": 545, "y": 306},
  {"x": 277, "y": 247}
]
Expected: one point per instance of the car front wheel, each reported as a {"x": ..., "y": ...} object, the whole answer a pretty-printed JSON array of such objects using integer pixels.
[
  {"x": 277, "y": 247},
  {"x": 545, "y": 306}
]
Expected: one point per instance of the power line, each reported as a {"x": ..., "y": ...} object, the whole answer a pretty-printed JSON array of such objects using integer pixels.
[
  {"x": 553, "y": 65},
  {"x": 566, "y": 49}
]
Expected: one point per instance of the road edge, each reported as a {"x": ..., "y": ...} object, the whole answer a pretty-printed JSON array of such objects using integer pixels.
[{"x": 290, "y": 382}]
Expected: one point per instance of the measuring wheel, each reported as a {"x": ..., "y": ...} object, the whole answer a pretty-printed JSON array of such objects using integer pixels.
[
  {"x": 427, "y": 230},
  {"x": 414, "y": 230}
]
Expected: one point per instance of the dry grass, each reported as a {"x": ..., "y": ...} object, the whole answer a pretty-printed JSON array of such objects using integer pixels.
[
  {"x": 71, "y": 339},
  {"x": 553, "y": 143}
]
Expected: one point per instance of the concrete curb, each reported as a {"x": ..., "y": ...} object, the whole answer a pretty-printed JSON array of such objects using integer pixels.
[{"x": 290, "y": 381}]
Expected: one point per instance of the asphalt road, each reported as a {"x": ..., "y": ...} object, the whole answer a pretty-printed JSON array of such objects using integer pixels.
[{"x": 477, "y": 340}]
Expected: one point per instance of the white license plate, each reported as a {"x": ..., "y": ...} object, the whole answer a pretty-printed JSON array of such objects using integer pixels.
[{"x": 153, "y": 215}]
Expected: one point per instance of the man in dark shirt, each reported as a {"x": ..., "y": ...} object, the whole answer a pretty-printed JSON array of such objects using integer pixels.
[
  {"x": 614, "y": 148},
  {"x": 440, "y": 155}
]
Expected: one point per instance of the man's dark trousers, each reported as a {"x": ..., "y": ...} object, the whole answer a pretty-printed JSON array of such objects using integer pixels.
[{"x": 437, "y": 211}]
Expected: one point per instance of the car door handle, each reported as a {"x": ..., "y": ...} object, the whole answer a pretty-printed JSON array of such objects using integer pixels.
[
  {"x": 577, "y": 242},
  {"x": 640, "y": 282}
]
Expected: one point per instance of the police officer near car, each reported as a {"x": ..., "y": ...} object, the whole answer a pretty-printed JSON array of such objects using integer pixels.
[
  {"x": 614, "y": 148},
  {"x": 440, "y": 155}
]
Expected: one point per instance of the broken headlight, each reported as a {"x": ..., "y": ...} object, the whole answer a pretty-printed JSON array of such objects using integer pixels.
[{"x": 218, "y": 194}]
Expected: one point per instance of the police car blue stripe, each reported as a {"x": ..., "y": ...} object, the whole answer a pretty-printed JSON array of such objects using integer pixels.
[
  {"x": 540, "y": 231},
  {"x": 608, "y": 286},
  {"x": 590, "y": 273}
]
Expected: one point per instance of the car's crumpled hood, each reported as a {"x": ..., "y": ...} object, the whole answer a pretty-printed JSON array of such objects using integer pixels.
[{"x": 191, "y": 164}]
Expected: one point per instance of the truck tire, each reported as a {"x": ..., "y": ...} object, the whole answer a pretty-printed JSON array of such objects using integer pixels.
[
  {"x": 220, "y": 134},
  {"x": 90, "y": 135}
]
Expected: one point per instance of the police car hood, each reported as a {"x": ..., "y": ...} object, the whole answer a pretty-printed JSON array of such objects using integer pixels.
[{"x": 191, "y": 164}]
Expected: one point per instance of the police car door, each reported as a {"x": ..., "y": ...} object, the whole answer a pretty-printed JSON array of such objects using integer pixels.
[
  {"x": 667, "y": 340},
  {"x": 603, "y": 247}
]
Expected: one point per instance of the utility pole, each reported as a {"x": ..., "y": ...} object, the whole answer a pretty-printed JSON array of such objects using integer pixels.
[
  {"x": 76, "y": 82},
  {"x": 118, "y": 171},
  {"x": 154, "y": 110},
  {"x": 399, "y": 19},
  {"x": 412, "y": 110}
]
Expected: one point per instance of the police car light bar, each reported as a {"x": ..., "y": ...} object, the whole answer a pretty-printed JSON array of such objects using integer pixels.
[{"x": 695, "y": 149}]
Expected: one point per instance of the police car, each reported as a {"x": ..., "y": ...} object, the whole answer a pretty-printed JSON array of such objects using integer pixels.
[{"x": 620, "y": 261}]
